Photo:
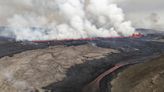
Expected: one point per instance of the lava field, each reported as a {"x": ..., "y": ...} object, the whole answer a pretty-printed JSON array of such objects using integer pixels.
[{"x": 131, "y": 50}]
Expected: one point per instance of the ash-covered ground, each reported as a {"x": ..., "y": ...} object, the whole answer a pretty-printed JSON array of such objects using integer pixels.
[{"x": 67, "y": 66}]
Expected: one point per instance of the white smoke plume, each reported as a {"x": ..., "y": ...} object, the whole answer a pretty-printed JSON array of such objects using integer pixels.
[{"x": 68, "y": 19}]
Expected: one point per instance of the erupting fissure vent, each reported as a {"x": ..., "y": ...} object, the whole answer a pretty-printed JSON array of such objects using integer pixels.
[{"x": 135, "y": 35}]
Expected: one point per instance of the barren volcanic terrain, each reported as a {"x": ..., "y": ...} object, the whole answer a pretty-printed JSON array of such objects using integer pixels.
[
  {"x": 69, "y": 66},
  {"x": 35, "y": 69}
]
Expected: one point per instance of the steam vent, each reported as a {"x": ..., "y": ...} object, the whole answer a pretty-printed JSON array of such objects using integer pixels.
[{"x": 81, "y": 46}]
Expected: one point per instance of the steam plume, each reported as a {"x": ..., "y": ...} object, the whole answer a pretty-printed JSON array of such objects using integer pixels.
[{"x": 68, "y": 19}]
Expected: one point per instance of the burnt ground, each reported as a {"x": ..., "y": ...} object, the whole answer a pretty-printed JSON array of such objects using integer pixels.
[
  {"x": 9, "y": 47},
  {"x": 68, "y": 68}
]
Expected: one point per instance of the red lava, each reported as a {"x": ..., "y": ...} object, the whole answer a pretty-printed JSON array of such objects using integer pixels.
[{"x": 135, "y": 35}]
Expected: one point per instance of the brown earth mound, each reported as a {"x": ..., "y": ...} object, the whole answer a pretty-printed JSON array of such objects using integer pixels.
[
  {"x": 146, "y": 77},
  {"x": 31, "y": 70}
]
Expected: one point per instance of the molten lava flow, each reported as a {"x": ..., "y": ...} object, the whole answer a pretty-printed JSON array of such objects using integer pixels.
[{"x": 135, "y": 35}]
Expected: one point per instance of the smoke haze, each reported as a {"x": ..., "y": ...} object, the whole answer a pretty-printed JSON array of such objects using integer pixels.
[
  {"x": 63, "y": 19},
  {"x": 139, "y": 12}
]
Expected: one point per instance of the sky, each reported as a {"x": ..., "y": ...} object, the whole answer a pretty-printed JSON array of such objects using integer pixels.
[{"x": 142, "y": 13}]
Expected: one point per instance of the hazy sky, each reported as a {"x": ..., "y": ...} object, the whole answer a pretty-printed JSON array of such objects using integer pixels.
[
  {"x": 140, "y": 12},
  {"x": 141, "y": 5}
]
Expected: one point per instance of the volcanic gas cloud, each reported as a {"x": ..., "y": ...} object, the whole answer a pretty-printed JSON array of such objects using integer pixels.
[{"x": 68, "y": 19}]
